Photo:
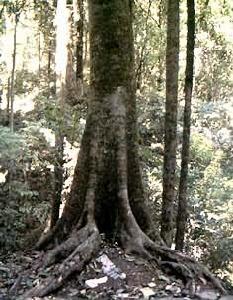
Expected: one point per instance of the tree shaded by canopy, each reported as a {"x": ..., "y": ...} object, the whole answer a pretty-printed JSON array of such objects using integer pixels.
[{"x": 107, "y": 193}]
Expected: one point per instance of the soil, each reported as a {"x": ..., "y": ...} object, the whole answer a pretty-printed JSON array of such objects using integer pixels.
[{"x": 129, "y": 278}]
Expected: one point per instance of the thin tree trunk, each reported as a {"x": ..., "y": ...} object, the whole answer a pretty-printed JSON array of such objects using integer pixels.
[
  {"x": 79, "y": 41},
  {"x": 172, "y": 69},
  {"x": 12, "y": 92},
  {"x": 58, "y": 178},
  {"x": 161, "y": 24},
  {"x": 61, "y": 54},
  {"x": 8, "y": 100},
  {"x": 85, "y": 45},
  {"x": 182, "y": 198},
  {"x": 49, "y": 62},
  {"x": 39, "y": 53}
]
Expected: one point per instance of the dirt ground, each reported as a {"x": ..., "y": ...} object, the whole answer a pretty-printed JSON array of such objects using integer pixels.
[{"x": 111, "y": 275}]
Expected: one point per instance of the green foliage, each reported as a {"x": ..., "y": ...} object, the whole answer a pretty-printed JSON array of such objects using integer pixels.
[
  {"x": 2, "y": 23},
  {"x": 14, "y": 6},
  {"x": 211, "y": 207},
  {"x": 25, "y": 82},
  {"x": 9, "y": 218},
  {"x": 25, "y": 156},
  {"x": 70, "y": 122},
  {"x": 10, "y": 146},
  {"x": 28, "y": 152},
  {"x": 149, "y": 28},
  {"x": 151, "y": 120},
  {"x": 201, "y": 149},
  {"x": 210, "y": 181},
  {"x": 213, "y": 84}
]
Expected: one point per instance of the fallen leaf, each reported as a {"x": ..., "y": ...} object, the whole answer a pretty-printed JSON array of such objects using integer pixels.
[
  {"x": 151, "y": 284},
  {"x": 207, "y": 295},
  {"x": 147, "y": 292},
  {"x": 164, "y": 278},
  {"x": 93, "y": 283}
]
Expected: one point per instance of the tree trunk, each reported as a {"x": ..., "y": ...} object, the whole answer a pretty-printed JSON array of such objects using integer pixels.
[
  {"x": 182, "y": 198},
  {"x": 169, "y": 168},
  {"x": 61, "y": 55},
  {"x": 79, "y": 41},
  {"x": 161, "y": 56},
  {"x": 112, "y": 77},
  {"x": 12, "y": 91},
  {"x": 8, "y": 101},
  {"x": 39, "y": 53},
  {"x": 49, "y": 60},
  {"x": 106, "y": 194},
  {"x": 111, "y": 69}
]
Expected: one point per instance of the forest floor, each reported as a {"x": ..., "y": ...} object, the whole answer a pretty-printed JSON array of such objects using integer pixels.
[{"x": 111, "y": 275}]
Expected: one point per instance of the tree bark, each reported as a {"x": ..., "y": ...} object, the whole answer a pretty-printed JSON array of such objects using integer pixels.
[
  {"x": 112, "y": 72},
  {"x": 182, "y": 197},
  {"x": 169, "y": 168},
  {"x": 107, "y": 194},
  {"x": 49, "y": 60},
  {"x": 8, "y": 100},
  {"x": 79, "y": 41},
  {"x": 12, "y": 91},
  {"x": 161, "y": 56},
  {"x": 112, "y": 65}
]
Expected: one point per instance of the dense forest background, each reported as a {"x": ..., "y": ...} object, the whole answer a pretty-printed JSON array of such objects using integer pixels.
[{"x": 33, "y": 118}]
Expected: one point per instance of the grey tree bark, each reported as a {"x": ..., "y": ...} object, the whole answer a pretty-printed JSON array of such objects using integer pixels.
[
  {"x": 79, "y": 41},
  {"x": 183, "y": 186},
  {"x": 112, "y": 73},
  {"x": 170, "y": 139},
  {"x": 107, "y": 193}
]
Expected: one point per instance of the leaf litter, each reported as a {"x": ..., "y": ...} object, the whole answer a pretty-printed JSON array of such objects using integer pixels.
[{"x": 111, "y": 275}]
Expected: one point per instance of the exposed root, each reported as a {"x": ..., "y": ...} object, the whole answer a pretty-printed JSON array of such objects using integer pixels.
[
  {"x": 51, "y": 236},
  {"x": 132, "y": 237},
  {"x": 74, "y": 263},
  {"x": 74, "y": 242},
  {"x": 83, "y": 243},
  {"x": 170, "y": 261},
  {"x": 44, "y": 239},
  {"x": 183, "y": 265}
]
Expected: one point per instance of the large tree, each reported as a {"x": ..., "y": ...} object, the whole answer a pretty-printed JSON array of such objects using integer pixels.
[{"x": 107, "y": 193}]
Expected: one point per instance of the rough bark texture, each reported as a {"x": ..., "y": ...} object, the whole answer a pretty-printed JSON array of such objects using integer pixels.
[
  {"x": 106, "y": 194},
  {"x": 79, "y": 42},
  {"x": 49, "y": 60},
  {"x": 161, "y": 56},
  {"x": 172, "y": 69},
  {"x": 112, "y": 73},
  {"x": 182, "y": 198}
]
